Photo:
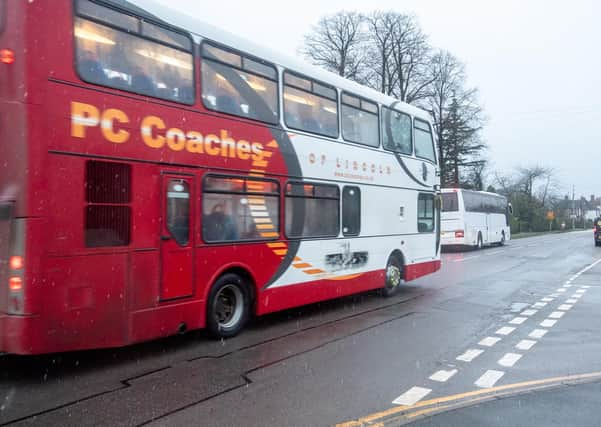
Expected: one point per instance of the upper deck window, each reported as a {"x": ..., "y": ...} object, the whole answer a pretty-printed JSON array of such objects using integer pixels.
[
  {"x": 396, "y": 131},
  {"x": 235, "y": 84},
  {"x": 121, "y": 51},
  {"x": 424, "y": 143},
  {"x": 310, "y": 106},
  {"x": 359, "y": 121}
]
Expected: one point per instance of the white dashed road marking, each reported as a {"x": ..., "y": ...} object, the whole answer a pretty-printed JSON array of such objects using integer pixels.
[
  {"x": 505, "y": 330},
  {"x": 548, "y": 323},
  {"x": 565, "y": 307},
  {"x": 576, "y": 296},
  {"x": 412, "y": 396},
  {"x": 489, "y": 341},
  {"x": 470, "y": 355},
  {"x": 442, "y": 375},
  {"x": 529, "y": 312},
  {"x": 489, "y": 378},
  {"x": 547, "y": 299},
  {"x": 556, "y": 315},
  {"x": 539, "y": 304},
  {"x": 509, "y": 359},
  {"x": 560, "y": 290},
  {"x": 525, "y": 344},
  {"x": 518, "y": 320},
  {"x": 581, "y": 291},
  {"x": 571, "y": 301},
  {"x": 537, "y": 333}
]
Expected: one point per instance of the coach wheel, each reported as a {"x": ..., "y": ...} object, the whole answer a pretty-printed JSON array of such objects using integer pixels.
[
  {"x": 479, "y": 244},
  {"x": 394, "y": 275},
  {"x": 228, "y": 306},
  {"x": 502, "y": 242}
]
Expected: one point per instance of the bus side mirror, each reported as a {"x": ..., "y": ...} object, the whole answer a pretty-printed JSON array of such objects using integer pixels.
[{"x": 510, "y": 209}]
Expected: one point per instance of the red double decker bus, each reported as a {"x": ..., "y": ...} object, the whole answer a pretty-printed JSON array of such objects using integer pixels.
[{"x": 159, "y": 175}]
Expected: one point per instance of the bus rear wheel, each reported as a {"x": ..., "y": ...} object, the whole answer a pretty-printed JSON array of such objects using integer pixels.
[
  {"x": 479, "y": 244},
  {"x": 228, "y": 306},
  {"x": 393, "y": 275},
  {"x": 502, "y": 242}
]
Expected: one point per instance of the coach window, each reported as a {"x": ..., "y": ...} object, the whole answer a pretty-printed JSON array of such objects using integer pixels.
[
  {"x": 107, "y": 211},
  {"x": 310, "y": 106},
  {"x": 424, "y": 143},
  {"x": 239, "y": 208},
  {"x": 359, "y": 121},
  {"x": 120, "y": 51},
  {"x": 237, "y": 85},
  {"x": 425, "y": 213},
  {"x": 312, "y": 210},
  {"x": 396, "y": 131},
  {"x": 351, "y": 211}
]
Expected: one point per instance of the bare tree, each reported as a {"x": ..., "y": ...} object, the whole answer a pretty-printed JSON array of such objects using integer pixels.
[
  {"x": 409, "y": 78},
  {"x": 335, "y": 43}
]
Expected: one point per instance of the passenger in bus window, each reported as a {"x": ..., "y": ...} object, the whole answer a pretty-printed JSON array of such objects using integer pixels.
[
  {"x": 90, "y": 68},
  {"x": 219, "y": 226},
  {"x": 140, "y": 82},
  {"x": 307, "y": 119}
]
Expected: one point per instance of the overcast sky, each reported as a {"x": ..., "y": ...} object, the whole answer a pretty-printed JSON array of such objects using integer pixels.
[{"x": 536, "y": 63}]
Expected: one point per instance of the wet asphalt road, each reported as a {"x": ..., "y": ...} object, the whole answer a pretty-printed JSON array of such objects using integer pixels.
[{"x": 443, "y": 348}]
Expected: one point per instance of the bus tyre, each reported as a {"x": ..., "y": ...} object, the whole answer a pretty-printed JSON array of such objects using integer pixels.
[
  {"x": 393, "y": 275},
  {"x": 502, "y": 242},
  {"x": 479, "y": 244},
  {"x": 228, "y": 306}
]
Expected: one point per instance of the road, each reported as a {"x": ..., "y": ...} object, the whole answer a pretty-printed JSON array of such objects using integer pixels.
[{"x": 493, "y": 331}]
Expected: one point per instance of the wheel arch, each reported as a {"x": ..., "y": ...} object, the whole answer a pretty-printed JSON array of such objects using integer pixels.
[{"x": 240, "y": 270}]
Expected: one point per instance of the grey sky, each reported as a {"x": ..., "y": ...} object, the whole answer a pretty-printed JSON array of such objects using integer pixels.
[{"x": 536, "y": 63}]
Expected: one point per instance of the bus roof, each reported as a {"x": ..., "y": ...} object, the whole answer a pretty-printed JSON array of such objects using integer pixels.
[
  {"x": 457, "y": 190},
  {"x": 200, "y": 29}
]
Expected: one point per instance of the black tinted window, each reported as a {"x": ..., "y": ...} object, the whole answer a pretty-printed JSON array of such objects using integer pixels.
[
  {"x": 450, "y": 202},
  {"x": 351, "y": 211}
]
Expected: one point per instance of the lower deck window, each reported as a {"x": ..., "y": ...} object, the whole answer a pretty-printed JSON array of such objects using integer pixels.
[
  {"x": 312, "y": 210},
  {"x": 237, "y": 209}
]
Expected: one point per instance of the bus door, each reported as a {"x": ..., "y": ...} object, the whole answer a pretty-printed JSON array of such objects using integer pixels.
[{"x": 177, "y": 236}]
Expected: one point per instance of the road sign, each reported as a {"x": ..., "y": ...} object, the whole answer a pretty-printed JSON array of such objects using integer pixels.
[{"x": 550, "y": 215}]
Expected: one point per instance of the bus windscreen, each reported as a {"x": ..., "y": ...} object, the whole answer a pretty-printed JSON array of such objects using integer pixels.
[{"x": 450, "y": 202}]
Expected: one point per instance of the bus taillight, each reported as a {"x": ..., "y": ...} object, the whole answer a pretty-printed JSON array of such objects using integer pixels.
[
  {"x": 16, "y": 262},
  {"x": 459, "y": 234},
  {"x": 15, "y": 284},
  {"x": 7, "y": 56}
]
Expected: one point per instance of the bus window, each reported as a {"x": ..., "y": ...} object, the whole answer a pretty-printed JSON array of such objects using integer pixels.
[
  {"x": 178, "y": 211},
  {"x": 425, "y": 213},
  {"x": 123, "y": 60},
  {"x": 396, "y": 131},
  {"x": 310, "y": 106},
  {"x": 108, "y": 194},
  {"x": 424, "y": 144},
  {"x": 2, "y": 15},
  {"x": 312, "y": 210},
  {"x": 359, "y": 121},
  {"x": 450, "y": 202},
  {"x": 237, "y": 209},
  {"x": 351, "y": 211},
  {"x": 239, "y": 86}
]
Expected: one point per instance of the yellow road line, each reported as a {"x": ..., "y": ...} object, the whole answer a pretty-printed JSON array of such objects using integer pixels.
[{"x": 521, "y": 386}]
